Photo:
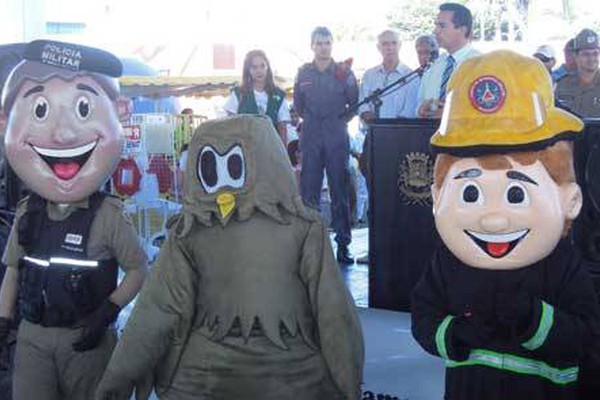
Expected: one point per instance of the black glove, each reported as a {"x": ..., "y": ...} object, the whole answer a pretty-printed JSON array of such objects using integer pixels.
[
  {"x": 470, "y": 332},
  {"x": 4, "y": 330},
  {"x": 94, "y": 326},
  {"x": 514, "y": 311}
]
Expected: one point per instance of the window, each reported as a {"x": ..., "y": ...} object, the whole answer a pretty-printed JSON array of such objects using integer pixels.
[{"x": 57, "y": 28}]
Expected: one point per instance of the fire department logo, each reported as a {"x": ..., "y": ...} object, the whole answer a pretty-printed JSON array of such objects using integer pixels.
[
  {"x": 415, "y": 176},
  {"x": 487, "y": 94}
]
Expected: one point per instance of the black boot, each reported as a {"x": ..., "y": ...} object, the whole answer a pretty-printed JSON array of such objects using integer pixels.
[
  {"x": 343, "y": 255},
  {"x": 363, "y": 260}
]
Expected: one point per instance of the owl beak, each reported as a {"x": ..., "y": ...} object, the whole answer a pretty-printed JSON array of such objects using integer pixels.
[{"x": 226, "y": 203}]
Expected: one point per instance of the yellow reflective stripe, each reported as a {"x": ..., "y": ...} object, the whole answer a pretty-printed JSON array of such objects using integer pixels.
[
  {"x": 520, "y": 365},
  {"x": 440, "y": 337},
  {"x": 546, "y": 322}
]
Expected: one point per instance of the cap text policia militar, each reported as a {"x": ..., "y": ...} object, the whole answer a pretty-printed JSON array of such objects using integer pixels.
[
  {"x": 45, "y": 59},
  {"x": 73, "y": 57}
]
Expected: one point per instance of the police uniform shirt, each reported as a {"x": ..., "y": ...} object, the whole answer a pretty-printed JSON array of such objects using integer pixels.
[
  {"x": 584, "y": 101},
  {"x": 111, "y": 234}
]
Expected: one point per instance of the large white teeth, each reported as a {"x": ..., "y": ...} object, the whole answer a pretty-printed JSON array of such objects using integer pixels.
[
  {"x": 499, "y": 238},
  {"x": 65, "y": 153}
]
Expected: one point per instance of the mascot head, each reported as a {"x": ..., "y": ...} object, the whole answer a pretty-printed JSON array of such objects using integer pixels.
[
  {"x": 63, "y": 136},
  {"x": 237, "y": 166},
  {"x": 504, "y": 184}
]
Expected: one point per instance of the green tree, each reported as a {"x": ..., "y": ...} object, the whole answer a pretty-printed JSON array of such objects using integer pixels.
[
  {"x": 413, "y": 19},
  {"x": 501, "y": 20}
]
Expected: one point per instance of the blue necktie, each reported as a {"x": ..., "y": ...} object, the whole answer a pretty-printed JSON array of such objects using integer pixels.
[{"x": 446, "y": 76}]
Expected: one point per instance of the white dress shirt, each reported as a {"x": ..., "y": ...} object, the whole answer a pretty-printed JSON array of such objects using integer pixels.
[
  {"x": 398, "y": 101},
  {"x": 432, "y": 79}
]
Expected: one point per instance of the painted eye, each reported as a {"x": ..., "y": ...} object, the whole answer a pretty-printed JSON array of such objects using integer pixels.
[
  {"x": 41, "y": 108},
  {"x": 471, "y": 194},
  {"x": 208, "y": 168},
  {"x": 234, "y": 166},
  {"x": 516, "y": 194},
  {"x": 84, "y": 108}
]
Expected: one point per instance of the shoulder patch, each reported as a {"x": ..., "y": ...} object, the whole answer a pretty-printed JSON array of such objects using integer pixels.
[
  {"x": 23, "y": 201},
  {"x": 114, "y": 201},
  {"x": 22, "y": 206}
]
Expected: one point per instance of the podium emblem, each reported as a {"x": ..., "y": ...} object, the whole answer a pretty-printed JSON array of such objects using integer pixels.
[{"x": 415, "y": 176}]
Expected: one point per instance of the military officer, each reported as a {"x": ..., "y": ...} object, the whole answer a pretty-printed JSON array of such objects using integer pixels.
[
  {"x": 322, "y": 92},
  {"x": 580, "y": 92}
]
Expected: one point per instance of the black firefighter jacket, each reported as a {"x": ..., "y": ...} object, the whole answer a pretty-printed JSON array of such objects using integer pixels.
[{"x": 543, "y": 361}]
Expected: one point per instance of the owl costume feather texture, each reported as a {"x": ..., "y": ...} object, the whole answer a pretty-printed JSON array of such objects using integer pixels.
[{"x": 245, "y": 300}]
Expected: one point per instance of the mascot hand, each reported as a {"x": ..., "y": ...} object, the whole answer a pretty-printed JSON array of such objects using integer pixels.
[
  {"x": 144, "y": 386},
  {"x": 107, "y": 392},
  {"x": 514, "y": 311},
  {"x": 110, "y": 389},
  {"x": 470, "y": 332},
  {"x": 94, "y": 326},
  {"x": 4, "y": 330}
]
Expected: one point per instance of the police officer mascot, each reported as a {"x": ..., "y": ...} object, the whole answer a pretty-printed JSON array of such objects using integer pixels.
[
  {"x": 63, "y": 140},
  {"x": 507, "y": 301}
]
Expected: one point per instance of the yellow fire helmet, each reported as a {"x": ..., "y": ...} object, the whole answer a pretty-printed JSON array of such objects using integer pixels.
[{"x": 501, "y": 102}]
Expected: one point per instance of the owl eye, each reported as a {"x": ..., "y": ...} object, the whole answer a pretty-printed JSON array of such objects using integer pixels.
[
  {"x": 234, "y": 166},
  {"x": 208, "y": 168},
  {"x": 41, "y": 108},
  {"x": 218, "y": 171}
]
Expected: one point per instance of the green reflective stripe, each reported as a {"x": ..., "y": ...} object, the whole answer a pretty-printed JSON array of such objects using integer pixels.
[
  {"x": 440, "y": 337},
  {"x": 520, "y": 365},
  {"x": 546, "y": 322}
]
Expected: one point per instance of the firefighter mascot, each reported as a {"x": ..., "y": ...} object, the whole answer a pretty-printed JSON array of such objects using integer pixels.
[{"x": 507, "y": 300}]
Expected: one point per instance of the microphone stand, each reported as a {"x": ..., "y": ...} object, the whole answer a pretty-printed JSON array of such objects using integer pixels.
[{"x": 375, "y": 97}]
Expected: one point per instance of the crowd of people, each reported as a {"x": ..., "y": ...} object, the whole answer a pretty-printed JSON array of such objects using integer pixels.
[{"x": 327, "y": 95}]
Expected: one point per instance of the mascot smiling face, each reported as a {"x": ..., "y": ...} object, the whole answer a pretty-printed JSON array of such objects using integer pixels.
[
  {"x": 503, "y": 212},
  {"x": 504, "y": 184},
  {"x": 63, "y": 135}
]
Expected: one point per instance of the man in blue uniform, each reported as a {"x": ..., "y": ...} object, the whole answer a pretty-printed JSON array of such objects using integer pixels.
[{"x": 322, "y": 92}]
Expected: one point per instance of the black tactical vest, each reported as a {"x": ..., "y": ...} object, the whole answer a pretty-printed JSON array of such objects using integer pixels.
[{"x": 58, "y": 283}]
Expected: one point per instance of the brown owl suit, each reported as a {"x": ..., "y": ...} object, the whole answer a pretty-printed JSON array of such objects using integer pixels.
[{"x": 245, "y": 300}]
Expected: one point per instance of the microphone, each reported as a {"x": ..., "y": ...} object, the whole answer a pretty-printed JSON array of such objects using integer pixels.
[{"x": 421, "y": 70}]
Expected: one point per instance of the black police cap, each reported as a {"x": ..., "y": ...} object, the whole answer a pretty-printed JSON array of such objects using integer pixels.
[
  {"x": 73, "y": 57},
  {"x": 587, "y": 39}
]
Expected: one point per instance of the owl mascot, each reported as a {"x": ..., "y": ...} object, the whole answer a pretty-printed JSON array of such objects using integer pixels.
[{"x": 245, "y": 300}]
